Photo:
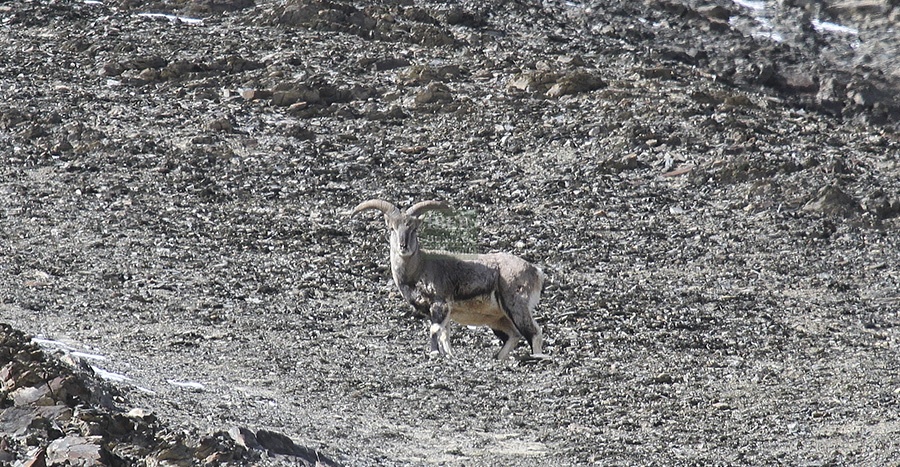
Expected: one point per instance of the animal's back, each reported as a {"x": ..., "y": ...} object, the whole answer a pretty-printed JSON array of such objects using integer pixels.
[{"x": 526, "y": 277}]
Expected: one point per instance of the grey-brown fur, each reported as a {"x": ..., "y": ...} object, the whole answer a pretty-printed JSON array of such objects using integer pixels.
[{"x": 496, "y": 290}]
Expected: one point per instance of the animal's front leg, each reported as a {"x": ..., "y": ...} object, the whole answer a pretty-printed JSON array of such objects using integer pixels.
[
  {"x": 416, "y": 298},
  {"x": 440, "y": 339}
]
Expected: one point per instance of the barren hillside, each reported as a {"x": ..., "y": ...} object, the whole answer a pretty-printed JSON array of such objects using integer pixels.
[{"x": 713, "y": 191}]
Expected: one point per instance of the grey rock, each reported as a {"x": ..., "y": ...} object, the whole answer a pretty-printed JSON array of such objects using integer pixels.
[
  {"x": 75, "y": 450},
  {"x": 831, "y": 200}
]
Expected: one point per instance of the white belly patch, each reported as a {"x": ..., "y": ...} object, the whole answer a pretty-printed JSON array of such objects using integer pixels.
[{"x": 476, "y": 311}]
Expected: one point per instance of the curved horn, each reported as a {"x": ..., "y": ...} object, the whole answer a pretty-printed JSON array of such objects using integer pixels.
[
  {"x": 431, "y": 205},
  {"x": 381, "y": 205}
]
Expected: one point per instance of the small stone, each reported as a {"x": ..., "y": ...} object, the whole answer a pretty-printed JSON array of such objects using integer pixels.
[
  {"x": 176, "y": 454},
  {"x": 627, "y": 162},
  {"x": 832, "y": 200},
  {"x": 738, "y": 100},
  {"x": 536, "y": 81},
  {"x": 33, "y": 131},
  {"x": 798, "y": 79},
  {"x": 112, "y": 69},
  {"x": 149, "y": 74},
  {"x": 221, "y": 124},
  {"x": 456, "y": 16},
  {"x": 237, "y": 64},
  {"x": 150, "y": 61},
  {"x": 62, "y": 146},
  {"x": 6, "y": 375},
  {"x": 298, "y": 106},
  {"x": 139, "y": 413},
  {"x": 243, "y": 437},
  {"x": 255, "y": 94},
  {"x": 177, "y": 69},
  {"x": 864, "y": 96},
  {"x": 292, "y": 95},
  {"x": 657, "y": 73},
  {"x": 393, "y": 112},
  {"x": 275, "y": 442},
  {"x": 285, "y": 98},
  {"x": 302, "y": 133},
  {"x": 715, "y": 12},
  {"x": 390, "y": 63},
  {"x": 706, "y": 98},
  {"x": 218, "y": 458},
  {"x": 422, "y": 74},
  {"x": 663, "y": 378},
  {"x": 830, "y": 94},
  {"x": 879, "y": 205},
  {"x": 571, "y": 60},
  {"x": 575, "y": 83},
  {"x": 203, "y": 139},
  {"x": 434, "y": 92},
  {"x": 220, "y": 6},
  {"x": 413, "y": 149}
]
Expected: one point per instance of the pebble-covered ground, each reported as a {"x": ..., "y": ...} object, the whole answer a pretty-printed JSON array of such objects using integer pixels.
[{"x": 713, "y": 190}]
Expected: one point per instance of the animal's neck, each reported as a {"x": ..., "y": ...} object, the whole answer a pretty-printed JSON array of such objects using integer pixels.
[{"x": 406, "y": 270}]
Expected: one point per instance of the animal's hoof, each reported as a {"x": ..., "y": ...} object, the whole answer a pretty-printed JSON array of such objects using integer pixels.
[{"x": 534, "y": 358}]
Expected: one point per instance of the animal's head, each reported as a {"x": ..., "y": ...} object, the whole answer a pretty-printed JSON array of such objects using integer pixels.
[{"x": 403, "y": 227}]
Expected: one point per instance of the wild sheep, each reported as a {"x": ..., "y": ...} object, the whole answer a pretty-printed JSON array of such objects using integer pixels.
[{"x": 496, "y": 290}]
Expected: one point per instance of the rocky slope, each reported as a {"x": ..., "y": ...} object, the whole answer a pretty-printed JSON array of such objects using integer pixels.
[{"x": 717, "y": 213}]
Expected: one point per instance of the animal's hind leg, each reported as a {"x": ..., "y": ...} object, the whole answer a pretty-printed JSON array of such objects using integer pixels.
[
  {"x": 517, "y": 307},
  {"x": 509, "y": 336},
  {"x": 502, "y": 335},
  {"x": 536, "y": 341}
]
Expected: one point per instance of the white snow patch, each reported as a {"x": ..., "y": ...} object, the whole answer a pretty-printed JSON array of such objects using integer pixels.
[
  {"x": 172, "y": 18},
  {"x": 825, "y": 26}
]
